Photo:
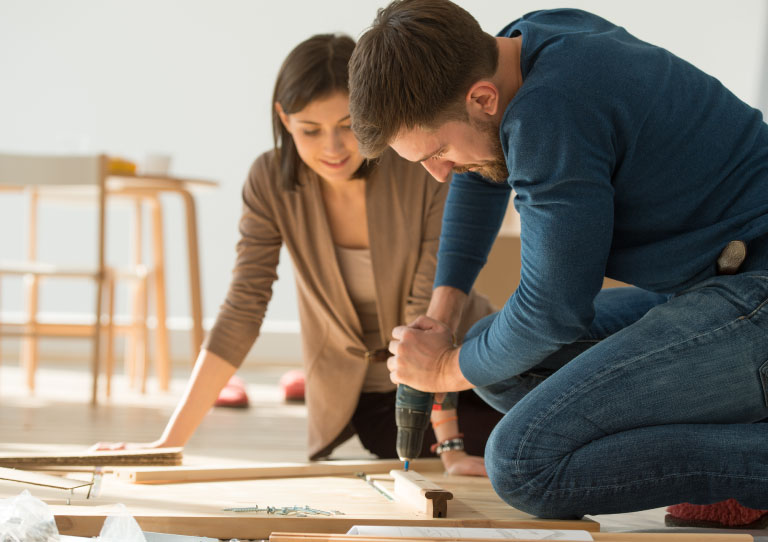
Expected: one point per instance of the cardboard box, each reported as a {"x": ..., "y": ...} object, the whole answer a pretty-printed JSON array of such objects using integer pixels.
[{"x": 501, "y": 274}]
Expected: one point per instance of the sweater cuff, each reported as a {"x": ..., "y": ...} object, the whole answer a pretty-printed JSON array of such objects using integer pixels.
[
  {"x": 457, "y": 271},
  {"x": 475, "y": 372}
]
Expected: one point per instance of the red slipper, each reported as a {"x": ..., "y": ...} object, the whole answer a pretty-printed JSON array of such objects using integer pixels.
[
  {"x": 292, "y": 385},
  {"x": 233, "y": 395},
  {"x": 725, "y": 515}
]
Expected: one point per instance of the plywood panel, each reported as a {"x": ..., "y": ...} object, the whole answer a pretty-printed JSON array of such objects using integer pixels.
[
  {"x": 158, "y": 456},
  {"x": 197, "y": 508},
  {"x": 38, "y": 479}
]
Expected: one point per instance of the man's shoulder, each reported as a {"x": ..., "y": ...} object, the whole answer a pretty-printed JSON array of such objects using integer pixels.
[{"x": 557, "y": 20}]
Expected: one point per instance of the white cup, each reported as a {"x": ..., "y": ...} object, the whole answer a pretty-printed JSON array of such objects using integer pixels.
[{"x": 156, "y": 164}]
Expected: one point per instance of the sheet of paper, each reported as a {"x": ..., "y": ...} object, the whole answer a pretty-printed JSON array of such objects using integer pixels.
[
  {"x": 162, "y": 537},
  {"x": 151, "y": 537},
  {"x": 469, "y": 532}
]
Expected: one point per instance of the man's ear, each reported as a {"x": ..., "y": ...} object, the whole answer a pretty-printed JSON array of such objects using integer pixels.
[
  {"x": 282, "y": 115},
  {"x": 482, "y": 99}
]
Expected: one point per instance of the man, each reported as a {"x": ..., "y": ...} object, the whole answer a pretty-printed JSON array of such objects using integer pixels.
[{"x": 625, "y": 161}]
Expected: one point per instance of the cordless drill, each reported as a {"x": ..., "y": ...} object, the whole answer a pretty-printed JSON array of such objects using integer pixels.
[{"x": 413, "y": 409}]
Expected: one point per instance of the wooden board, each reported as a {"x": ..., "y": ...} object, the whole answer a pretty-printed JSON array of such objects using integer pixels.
[
  {"x": 425, "y": 495},
  {"x": 598, "y": 537},
  {"x": 213, "y": 473},
  {"x": 196, "y": 509},
  {"x": 37, "y": 479},
  {"x": 159, "y": 456}
]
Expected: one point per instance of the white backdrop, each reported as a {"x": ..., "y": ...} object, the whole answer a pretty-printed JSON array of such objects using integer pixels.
[{"x": 194, "y": 79}]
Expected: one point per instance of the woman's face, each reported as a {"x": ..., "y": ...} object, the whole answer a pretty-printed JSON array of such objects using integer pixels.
[{"x": 323, "y": 135}]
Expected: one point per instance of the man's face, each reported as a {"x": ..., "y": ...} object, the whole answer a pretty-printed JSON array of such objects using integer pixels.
[{"x": 455, "y": 147}]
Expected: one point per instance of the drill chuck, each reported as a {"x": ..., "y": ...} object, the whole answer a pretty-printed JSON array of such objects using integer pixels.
[{"x": 412, "y": 412}]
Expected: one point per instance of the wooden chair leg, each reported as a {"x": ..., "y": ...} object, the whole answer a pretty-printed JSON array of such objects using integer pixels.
[
  {"x": 110, "y": 332},
  {"x": 162, "y": 357},
  {"x": 29, "y": 350},
  {"x": 129, "y": 350},
  {"x": 142, "y": 345},
  {"x": 29, "y": 347},
  {"x": 96, "y": 344},
  {"x": 133, "y": 348}
]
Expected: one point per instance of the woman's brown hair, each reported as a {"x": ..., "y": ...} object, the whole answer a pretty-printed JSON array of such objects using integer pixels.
[{"x": 314, "y": 69}]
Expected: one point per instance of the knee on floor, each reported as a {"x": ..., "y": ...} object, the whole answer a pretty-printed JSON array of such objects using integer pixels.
[{"x": 524, "y": 479}]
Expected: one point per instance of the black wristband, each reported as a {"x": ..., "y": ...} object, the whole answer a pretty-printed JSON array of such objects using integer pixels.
[{"x": 456, "y": 443}]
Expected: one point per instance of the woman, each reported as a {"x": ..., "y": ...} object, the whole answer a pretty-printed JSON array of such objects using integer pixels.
[{"x": 363, "y": 239}]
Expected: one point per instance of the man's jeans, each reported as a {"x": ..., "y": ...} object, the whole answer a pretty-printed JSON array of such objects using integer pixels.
[{"x": 658, "y": 412}]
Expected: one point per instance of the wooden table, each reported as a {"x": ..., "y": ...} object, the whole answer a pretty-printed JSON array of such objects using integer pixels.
[{"x": 148, "y": 189}]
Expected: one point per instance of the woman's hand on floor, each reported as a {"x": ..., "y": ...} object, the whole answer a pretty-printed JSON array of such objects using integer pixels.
[
  {"x": 460, "y": 462},
  {"x": 117, "y": 446}
]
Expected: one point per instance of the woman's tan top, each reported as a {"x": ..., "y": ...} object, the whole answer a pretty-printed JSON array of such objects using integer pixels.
[
  {"x": 357, "y": 272},
  {"x": 404, "y": 208}
]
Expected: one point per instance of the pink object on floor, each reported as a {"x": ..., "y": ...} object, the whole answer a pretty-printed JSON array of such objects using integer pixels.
[
  {"x": 233, "y": 395},
  {"x": 292, "y": 385},
  {"x": 724, "y": 514}
]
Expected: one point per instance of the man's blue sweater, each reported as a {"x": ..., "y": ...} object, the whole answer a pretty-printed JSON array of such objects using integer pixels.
[{"x": 625, "y": 161}]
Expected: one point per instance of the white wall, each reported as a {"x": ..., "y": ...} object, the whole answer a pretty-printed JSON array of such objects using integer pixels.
[
  {"x": 194, "y": 79},
  {"x": 763, "y": 95}
]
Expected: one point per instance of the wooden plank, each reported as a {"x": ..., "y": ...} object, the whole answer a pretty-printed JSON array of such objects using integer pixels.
[
  {"x": 247, "y": 528},
  {"x": 197, "y": 509},
  {"x": 427, "y": 497},
  {"x": 317, "y": 537},
  {"x": 598, "y": 537},
  {"x": 159, "y": 456},
  {"x": 37, "y": 479},
  {"x": 158, "y": 475},
  {"x": 672, "y": 537}
]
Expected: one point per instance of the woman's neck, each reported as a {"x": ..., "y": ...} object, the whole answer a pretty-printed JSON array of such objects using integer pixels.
[{"x": 346, "y": 211}]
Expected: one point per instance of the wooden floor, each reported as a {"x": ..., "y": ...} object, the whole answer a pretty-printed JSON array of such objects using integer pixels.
[{"x": 59, "y": 418}]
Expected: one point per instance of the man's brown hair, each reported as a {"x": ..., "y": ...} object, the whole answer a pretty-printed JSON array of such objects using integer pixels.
[{"x": 413, "y": 68}]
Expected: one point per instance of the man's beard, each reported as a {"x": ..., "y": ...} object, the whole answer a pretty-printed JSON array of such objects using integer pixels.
[{"x": 496, "y": 169}]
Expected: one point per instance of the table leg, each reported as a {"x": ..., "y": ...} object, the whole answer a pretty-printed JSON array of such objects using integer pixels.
[
  {"x": 110, "y": 331},
  {"x": 162, "y": 358},
  {"x": 142, "y": 346},
  {"x": 133, "y": 355},
  {"x": 29, "y": 346}
]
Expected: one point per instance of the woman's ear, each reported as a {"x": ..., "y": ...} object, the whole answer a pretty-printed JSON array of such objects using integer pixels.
[{"x": 282, "y": 115}]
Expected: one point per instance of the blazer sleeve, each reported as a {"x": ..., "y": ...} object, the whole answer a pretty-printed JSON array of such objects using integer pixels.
[
  {"x": 421, "y": 286},
  {"x": 258, "y": 251}
]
